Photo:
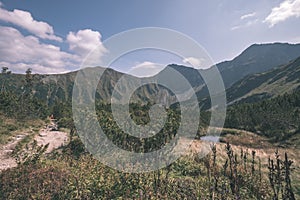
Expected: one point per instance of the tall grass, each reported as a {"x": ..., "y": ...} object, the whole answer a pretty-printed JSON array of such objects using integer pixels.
[{"x": 240, "y": 175}]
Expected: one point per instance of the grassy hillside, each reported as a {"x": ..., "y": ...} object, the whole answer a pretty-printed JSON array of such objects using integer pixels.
[
  {"x": 51, "y": 89},
  {"x": 284, "y": 79},
  {"x": 257, "y": 58}
]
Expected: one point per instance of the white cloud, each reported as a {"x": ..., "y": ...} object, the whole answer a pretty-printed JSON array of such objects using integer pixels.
[
  {"x": 24, "y": 20},
  {"x": 249, "y": 23},
  {"x": 235, "y": 28},
  {"x": 286, "y": 10},
  {"x": 195, "y": 62},
  {"x": 37, "y": 68},
  {"x": 247, "y": 20},
  {"x": 84, "y": 41},
  {"x": 248, "y": 15},
  {"x": 146, "y": 69},
  {"x": 19, "y": 52}
]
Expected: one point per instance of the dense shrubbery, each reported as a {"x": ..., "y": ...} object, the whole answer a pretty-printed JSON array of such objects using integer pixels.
[
  {"x": 67, "y": 176},
  {"x": 34, "y": 182},
  {"x": 278, "y": 117},
  {"x": 22, "y": 106}
]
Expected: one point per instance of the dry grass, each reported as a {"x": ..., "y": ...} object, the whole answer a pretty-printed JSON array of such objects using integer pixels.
[{"x": 248, "y": 142}]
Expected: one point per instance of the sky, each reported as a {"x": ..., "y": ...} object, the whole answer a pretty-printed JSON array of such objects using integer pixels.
[{"x": 52, "y": 36}]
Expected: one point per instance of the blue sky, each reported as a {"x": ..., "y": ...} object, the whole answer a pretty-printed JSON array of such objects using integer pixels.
[{"x": 53, "y": 36}]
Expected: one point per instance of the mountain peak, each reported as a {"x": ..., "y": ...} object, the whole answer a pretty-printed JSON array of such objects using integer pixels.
[
  {"x": 258, "y": 58},
  {"x": 177, "y": 66}
]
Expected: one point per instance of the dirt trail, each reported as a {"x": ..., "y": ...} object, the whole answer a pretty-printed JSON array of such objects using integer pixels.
[
  {"x": 6, "y": 159},
  {"x": 55, "y": 139}
]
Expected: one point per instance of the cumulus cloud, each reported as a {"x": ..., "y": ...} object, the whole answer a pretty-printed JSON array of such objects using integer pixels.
[
  {"x": 286, "y": 10},
  {"x": 195, "y": 62},
  {"x": 20, "y": 52},
  {"x": 25, "y": 20},
  {"x": 84, "y": 41},
  {"x": 248, "y": 15},
  {"x": 146, "y": 69}
]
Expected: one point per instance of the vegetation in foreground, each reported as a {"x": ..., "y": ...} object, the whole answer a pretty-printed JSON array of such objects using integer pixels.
[{"x": 73, "y": 174}]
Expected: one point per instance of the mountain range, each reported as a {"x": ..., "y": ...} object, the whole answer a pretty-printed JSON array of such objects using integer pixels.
[
  {"x": 261, "y": 71},
  {"x": 272, "y": 83}
]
